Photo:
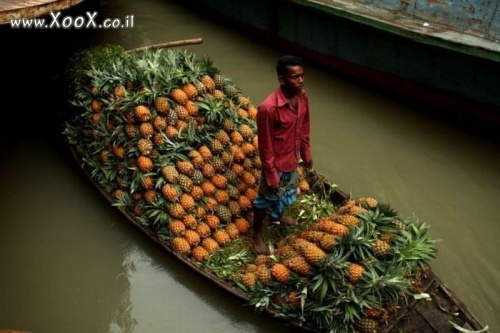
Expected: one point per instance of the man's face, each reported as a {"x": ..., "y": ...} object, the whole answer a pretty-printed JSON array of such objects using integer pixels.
[{"x": 293, "y": 81}]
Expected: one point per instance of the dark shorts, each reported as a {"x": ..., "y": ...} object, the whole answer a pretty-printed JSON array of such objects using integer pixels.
[{"x": 278, "y": 202}]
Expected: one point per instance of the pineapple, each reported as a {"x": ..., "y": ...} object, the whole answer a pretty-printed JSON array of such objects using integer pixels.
[
  {"x": 162, "y": 105},
  {"x": 223, "y": 137},
  {"x": 159, "y": 123},
  {"x": 197, "y": 192},
  {"x": 355, "y": 272},
  {"x": 179, "y": 96},
  {"x": 96, "y": 106},
  {"x": 176, "y": 210},
  {"x": 146, "y": 130},
  {"x": 181, "y": 245},
  {"x": 142, "y": 113},
  {"x": 208, "y": 188},
  {"x": 145, "y": 163},
  {"x": 208, "y": 82},
  {"x": 145, "y": 146},
  {"x": 246, "y": 131},
  {"x": 191, "y": 108},
  {"x": 219, "y": 181},
  {"x": 149, "y": 196},
  {"x": 199, "y": 253},
  {"x": 205, "y": 152},
  {"x": 210, "y": 244},
  {"x": 190, "y": 90},
  {"x": 203, "y": 229},
  {"x": 264, "y": 274},
  {"x": 248, "y": 279},
  {"x": 243, "y": 225},
  {"x": 367, "y": 325},
  {"x": 176, "y": 227},
  {"x": 234, "y": 208},
  {"x": 185, "y": 167},
  {"x": 299, "y": 265},
  {"x": 190, "y": 221},
  {"x": 212, "y": 220},
  {"x": 232, "y": 230},
  {"x": 348, "y": 220},
  {"x": 221, "y": 237},
  {"x": 381, "y": 248},
  {"x": 197, "y": 177},
  {"x": 182, "y": 114},
  {"x": 280, "y": 273},
  {"x": 244, "y": 202},
  {"x": 187, "y": 202},
  {"x": 221, "y": 196},
  {"x": 185, "y": 183},
  {"x": 192, "y": 237},
  {"x": 196, "y": 159},
  {"x": 223, "y": 213},
  {"x": 170, "y": 173}
]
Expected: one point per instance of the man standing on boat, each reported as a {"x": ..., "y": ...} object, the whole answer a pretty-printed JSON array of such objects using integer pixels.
[{"x": 283, "y": 128}]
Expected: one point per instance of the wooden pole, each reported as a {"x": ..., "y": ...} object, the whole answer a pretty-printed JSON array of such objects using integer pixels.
[{"x": 169, "y": 44}]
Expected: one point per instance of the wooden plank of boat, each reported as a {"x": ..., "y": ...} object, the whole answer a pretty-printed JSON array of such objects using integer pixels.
[{"x": 431, "y": 314}]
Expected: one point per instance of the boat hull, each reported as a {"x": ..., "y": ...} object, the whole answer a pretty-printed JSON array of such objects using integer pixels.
[{"x": 428, "y": 64}]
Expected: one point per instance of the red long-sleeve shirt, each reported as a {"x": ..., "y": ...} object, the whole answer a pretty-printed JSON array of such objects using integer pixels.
[{"x": 283, "y": 134}]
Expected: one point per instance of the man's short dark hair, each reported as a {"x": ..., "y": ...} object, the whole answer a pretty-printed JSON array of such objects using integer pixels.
[{"x": 287, "y": 60}]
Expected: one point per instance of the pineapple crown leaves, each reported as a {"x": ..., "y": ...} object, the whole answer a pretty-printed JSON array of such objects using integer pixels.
[
  {"x": 415, "y": 247},
  {"x": 157, "y": 212},
  {"x": 207, "y": 66},
  {"x": 124, "y": 200},
  {"x": 386, "y": 282},
  {"x": 213, "y": 110},
  {"x": 359, "y": 241}
]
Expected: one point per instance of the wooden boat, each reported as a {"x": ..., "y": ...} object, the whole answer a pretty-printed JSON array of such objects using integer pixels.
[
  {"x": 439, "y": 54},
  {"x": 106, "y": 105}
]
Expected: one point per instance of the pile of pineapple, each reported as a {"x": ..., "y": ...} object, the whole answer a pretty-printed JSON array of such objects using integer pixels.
[{"x": 174, "y": 143}]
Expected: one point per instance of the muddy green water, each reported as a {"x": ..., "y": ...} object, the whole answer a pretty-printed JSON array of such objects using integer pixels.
[{"x": 69, "y": 262}]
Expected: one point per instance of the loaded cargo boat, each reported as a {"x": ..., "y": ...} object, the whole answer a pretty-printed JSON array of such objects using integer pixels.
[
  {"x": 171, "y": 142},
  {"x": 440, "y": 54}
]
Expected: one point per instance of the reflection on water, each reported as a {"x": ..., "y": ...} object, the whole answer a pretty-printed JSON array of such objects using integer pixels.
[{"x": 69, "y": 263}]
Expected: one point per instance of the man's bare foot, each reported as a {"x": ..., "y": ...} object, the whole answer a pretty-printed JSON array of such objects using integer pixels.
[
  {"x": 288, "y": 221},
  {"x": 259, "y": 246}
]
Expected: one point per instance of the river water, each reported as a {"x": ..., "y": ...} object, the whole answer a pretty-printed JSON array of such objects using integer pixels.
[{"x": 69, "y": 262}]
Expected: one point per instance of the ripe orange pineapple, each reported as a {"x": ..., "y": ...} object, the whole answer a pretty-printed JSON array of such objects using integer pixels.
[
  {"x": 176, "y": 227},
  {"x": 248, "y": 279},
  {"x": 149, "y": 196},
  {"x": 232, "y": 230},
  {"x": 381, "y": 248},
  {"x": 244, "y": 202},
  {"x": 221, "y": 196},
  {"x": 348, "y": 220},
  {"x": 170, "y": 192},
  {"x": 146, "y": 130},
  {"x": 179, "y": 96},
  {"x": 280, "y": 273},
  {"x": 208, "y": 170},
  {"x": 246, "y": 131},
  {"x": 145, "y": 163},
  {"x": 192, "y": 237},
  {"x": 190, "y": 90},
  {"x": 243, "y": 225},
  {"x": 208, "y": 82},
  {"x": 221, "y": 237},
  {"x": 159, "y": 123},
  {"x": 191, "y": 108},
  {"x": 190, "y": 221},
  {"x": 181, "y": 245},
  {"x": 162, "y": 105},
  {"x": 170, "y": 173},
  {"x": 185, "y": 167},
  {"x": 197, "y": 192},
  {"x": 210, "y": 244},
  {"x": 96, "y": 106},
  {"x": 219, "y": 181},
  {"x": 205, "y": 152},
  {"x": 248, "y": 178},
  {"x": 142, "y": 113},
  {"x": 264, "y": 274},
  {"x": 212, "y": 220},
  {"x": 355, "y": 272},
  {"x": 176, "y": 210},
  {"x": 208, "y": 188},
  {"x": 187, "y": 202},
  {"x": 299, "y": 265},
  {"x": 199, "y": 253},
  {"x": 203, "y": 229},
  {"x": 237, "y": 153}
]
